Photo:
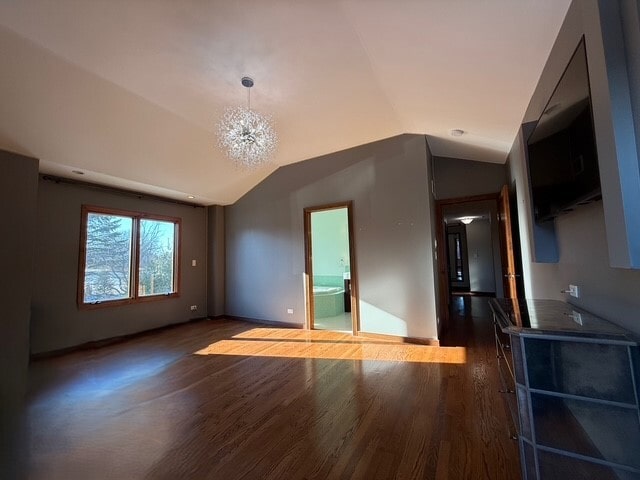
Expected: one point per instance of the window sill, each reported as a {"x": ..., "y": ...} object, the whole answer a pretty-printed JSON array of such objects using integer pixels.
[{"x": 126, "y": 301}]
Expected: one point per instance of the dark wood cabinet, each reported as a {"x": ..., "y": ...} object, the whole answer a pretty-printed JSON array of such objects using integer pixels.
[{"x": 571, "y": 381}]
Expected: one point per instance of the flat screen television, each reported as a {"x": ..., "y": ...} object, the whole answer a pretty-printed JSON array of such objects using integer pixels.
[{"x": 563, "y": 160}]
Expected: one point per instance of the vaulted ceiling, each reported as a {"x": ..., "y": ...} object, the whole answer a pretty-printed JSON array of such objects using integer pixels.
[{"x": 129, "y": 91}]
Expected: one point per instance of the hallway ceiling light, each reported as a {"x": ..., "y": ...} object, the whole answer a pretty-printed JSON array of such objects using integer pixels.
[
  {"x": 246, "y": 136},
  {"x": 466, "y": 220},
  {"x": 456, "y": 132}
]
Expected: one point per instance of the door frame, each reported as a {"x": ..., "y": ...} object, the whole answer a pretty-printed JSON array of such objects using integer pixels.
[
  {"x": 308, "y": 264},
  {"x": 441, "y": 251},
  {"x": 507, "y": 246}
]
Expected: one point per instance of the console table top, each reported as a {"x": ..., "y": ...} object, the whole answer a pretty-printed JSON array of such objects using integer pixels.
[{"x": 554, "y": 317}]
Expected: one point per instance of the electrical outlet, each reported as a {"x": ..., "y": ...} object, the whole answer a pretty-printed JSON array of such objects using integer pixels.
[
  {"x": 577, "y": 317},
  {"x": 290, "y": 311},
  {"x": 194, "y": 308},
  {"x": 574, "y": 291}
]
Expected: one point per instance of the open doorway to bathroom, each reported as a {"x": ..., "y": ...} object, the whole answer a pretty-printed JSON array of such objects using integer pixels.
[{"x": 330, "y": 273}]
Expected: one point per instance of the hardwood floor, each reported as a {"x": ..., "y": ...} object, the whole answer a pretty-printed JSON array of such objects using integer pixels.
[{"x": 224, "y": 399}]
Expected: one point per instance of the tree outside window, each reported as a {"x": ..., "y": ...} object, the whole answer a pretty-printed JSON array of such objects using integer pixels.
[
  {"x": 127, "y": 256},
  {"x": 156, "y": 257}
]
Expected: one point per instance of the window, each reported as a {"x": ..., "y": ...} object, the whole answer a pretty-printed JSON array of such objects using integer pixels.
[{"x": 127, "y": 257}]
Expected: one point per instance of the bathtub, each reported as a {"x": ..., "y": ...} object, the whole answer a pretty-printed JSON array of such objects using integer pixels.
[
  {"x": 327, "y": 301},
  {"x": 318, "y": 290}
]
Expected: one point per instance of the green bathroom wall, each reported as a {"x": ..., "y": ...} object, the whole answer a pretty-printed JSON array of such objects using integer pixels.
[{"x": 330, "y": 244}]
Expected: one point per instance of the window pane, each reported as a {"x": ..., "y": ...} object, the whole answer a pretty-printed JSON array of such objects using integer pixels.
[
  {"x": 107, "y": 274},
  {"x": 156, "y": 257}
]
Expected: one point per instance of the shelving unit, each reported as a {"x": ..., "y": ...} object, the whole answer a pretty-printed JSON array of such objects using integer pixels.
[{"x": 575, "y": 378}]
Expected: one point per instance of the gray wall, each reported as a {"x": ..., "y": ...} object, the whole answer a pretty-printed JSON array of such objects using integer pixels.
[
  {"x": 18, "y": 197},
  {"x": 388, "y": 183},
  {"x": 480, "y": 254},
  {"x": 606, "y": 24},
  {"x": 630, "y": 10},
  {"x": 455, "y": 178},
  {"x": 215, "y": 261},
  {"x": 583, "y": 237},
  {"x": 56, "y": 320}
]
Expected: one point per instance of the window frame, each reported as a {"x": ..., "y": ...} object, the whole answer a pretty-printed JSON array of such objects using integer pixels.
[{"x": 134, "y": 275}]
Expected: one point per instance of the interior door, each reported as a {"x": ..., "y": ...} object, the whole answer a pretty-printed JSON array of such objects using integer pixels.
[{"x": 509, "y": 273}]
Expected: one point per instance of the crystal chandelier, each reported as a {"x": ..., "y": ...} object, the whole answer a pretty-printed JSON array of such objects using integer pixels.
[{"x": 246, "y": 136}]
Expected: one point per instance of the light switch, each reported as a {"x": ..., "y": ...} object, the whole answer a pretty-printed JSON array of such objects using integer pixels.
[{"x": 193, "y": 263}]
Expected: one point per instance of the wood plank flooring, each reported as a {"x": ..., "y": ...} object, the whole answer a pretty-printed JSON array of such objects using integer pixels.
[{"x": 222, "y": 399}]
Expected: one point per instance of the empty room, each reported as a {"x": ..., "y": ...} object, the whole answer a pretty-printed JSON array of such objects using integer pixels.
[{"x": 346, "y": 239}]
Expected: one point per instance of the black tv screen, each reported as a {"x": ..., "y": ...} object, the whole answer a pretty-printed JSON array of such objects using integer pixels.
[{"x": 563, "y": 161}]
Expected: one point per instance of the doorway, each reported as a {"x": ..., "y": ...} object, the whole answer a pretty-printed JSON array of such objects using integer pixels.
[
  {"x": 479, "y": 226},
  {"x": 330, "y": 273},
  {"x": 458, "y": 263},
  {"x": 473, "y": 248}
]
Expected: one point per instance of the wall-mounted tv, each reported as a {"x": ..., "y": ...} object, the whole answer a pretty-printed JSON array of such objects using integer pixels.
[{"x": 563, "y": 161}]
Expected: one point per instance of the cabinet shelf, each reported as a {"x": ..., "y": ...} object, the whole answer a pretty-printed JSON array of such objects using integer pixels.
[
  {"x": 577, "y": 391},
  {"x": 631, "y": 406},
  {"x": 556, "y": 464},
  {"x": 586, "y": 428},
  {"x": 585, "y": 458}
]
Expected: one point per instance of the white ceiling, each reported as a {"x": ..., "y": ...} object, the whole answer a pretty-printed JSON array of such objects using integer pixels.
[
  {"x": 480, "y": 210},
  {"x": 129, "y": 91}
]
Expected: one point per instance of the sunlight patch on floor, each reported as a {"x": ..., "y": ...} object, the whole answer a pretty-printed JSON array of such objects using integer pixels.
[
  {"x": 300, "y": 335},
  {"x": 390, "y": 352}
]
